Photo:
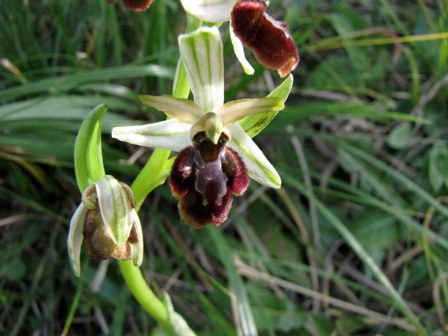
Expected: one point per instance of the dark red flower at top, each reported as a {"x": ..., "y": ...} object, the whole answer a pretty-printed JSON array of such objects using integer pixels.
[
  {"x": 204, "y": 179},
  {"x": 269, "y": 39},
  {"x": 135, "y": 5}
]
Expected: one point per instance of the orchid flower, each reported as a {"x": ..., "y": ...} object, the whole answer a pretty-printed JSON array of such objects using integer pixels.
[
  {"x": 252, "y": 27},
  {"x": 216, "y": 154},
  {"x": 217, "y": 11}
]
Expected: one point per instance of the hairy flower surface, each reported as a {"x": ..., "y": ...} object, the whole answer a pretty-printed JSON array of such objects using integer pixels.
[
  {"x": 216, "y": 154},
  {"x": 107, "y": 221},
  {"x": 269, "y": 39},
  {"x": 204, "y": 178}
]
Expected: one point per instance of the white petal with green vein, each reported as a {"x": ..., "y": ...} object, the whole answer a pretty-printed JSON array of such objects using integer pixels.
[
  {"x": 137, "y": 248},
  {"x": 182, "y": 109},
  {"x": 115, "y": 208},
  {"x": 239, "y": 52},
  {"x": 238, "y": 109},
  {"x": 76, "y": 237},
  {"x": 209, "y": 10},
  {"x": 202, "y": 54},
  {"x": 169, "y": 134},
  {"x": 258, "y": 166}
]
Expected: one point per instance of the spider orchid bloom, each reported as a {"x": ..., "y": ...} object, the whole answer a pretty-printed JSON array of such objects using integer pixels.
[
  {"x": 207, "y": 174},
  {"x": 107, "y": 221},
  {"x": 251, "y": 26}
]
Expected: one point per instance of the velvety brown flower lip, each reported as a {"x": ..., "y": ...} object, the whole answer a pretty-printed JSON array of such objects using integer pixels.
[
  {"x": 135, "y": 5},
  {"x": 204, "y": 179},
  {"x": 269, "y": 39}
]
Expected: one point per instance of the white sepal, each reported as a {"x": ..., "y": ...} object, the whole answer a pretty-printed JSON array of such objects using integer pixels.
[
  {"x": 182, "y": 109},
  {"x": 209, "y": 10},
  {"x": 239, "y": 52},
  {"x": 75, "y": 238},
  {"x": 258, "y": 166},
  {"x": 137, "y": 248},
  {"x": 169, "y": 134},
  {"x": 238, "y": 109}
]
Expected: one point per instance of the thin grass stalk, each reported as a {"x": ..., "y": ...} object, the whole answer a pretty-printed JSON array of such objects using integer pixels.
[{"x": 364, "y": 256}]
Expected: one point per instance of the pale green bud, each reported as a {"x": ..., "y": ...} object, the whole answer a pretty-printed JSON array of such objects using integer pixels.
[{"x": 107, "y": 221}]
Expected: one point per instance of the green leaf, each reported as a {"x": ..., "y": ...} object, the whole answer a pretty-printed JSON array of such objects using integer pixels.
[
  {"x": 347, "y": 21},
  {"x": 13, "y": 270},
  {"x": 400, "y": 137},
  {"x": 256, "y": 123},
  {"x": 438, "y": 167},
  {"x": 69, "y": 82},
  {"x": 296, "y": 113},
  {"x": 89, "y": 166},
  {"x": 375, "y": 231}
]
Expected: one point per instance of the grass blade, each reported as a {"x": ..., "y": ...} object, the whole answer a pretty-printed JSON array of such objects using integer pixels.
[
  {"x": 362, "y": 254},
  {"x": 236, "y": 283}
]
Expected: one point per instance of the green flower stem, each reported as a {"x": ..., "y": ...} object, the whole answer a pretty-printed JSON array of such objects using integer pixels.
[
  {"x": 153, "y": 174},
  {"x": 143, "y": 294}
]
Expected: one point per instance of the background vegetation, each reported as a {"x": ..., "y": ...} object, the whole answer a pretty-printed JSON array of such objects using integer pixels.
[{"x": 354, "y": 243}]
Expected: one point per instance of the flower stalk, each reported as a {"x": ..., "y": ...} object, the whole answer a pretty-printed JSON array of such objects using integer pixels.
[{"x": 216, "y": 157}]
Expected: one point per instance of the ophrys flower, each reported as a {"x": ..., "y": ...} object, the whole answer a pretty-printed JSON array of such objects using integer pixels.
[{"x": 207, "y": 174}]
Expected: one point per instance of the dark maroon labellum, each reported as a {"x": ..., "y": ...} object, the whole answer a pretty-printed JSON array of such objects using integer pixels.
[
  {"x": 269, "y": 39},
  {"x": 204, "y": 179},
  {"x": 135, "y": 5}
]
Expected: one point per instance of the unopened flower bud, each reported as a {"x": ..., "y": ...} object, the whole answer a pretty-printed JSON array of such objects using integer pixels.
[{"x": 107, "y": 221}]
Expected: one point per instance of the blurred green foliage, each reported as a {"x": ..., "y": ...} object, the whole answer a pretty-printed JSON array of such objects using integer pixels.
[{"x": 355, "y": 241}]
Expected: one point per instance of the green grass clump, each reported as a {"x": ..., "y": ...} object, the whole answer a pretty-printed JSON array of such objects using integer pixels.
[{"x": 353, "y": 244}]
